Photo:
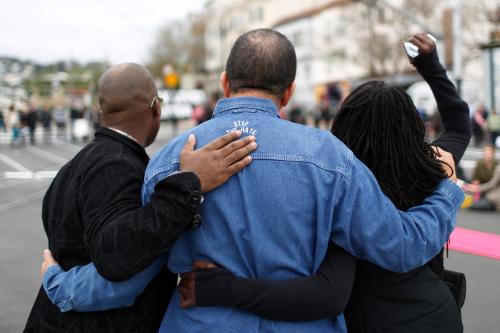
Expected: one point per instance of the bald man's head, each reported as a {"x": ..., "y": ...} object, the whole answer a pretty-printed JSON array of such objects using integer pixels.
[
  {"x": 125, "y": 95},
  {"x": 125, "y": 87}
]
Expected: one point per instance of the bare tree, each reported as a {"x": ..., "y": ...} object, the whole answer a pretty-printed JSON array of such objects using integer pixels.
[
  {"x": 383, "y": 31},
  {"x": 180, "y": 44}
]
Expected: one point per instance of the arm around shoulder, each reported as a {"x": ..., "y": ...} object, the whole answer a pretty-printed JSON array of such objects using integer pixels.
[
  {"x": 369, "y": 226},
  {"x": 124, "y": 237},
  {"x": 82, "y": 289},
  {"x": 322, "y": 295}
]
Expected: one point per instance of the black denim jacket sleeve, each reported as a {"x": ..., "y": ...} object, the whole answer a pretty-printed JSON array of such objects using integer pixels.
[{"x": 123, "y": 237}]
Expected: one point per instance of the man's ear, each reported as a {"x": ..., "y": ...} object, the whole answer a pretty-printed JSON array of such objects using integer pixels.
[
  {"x": 287, "y": 95},
  {"x": 224, "y": 83},
  {"x": 156, "y": 109}
]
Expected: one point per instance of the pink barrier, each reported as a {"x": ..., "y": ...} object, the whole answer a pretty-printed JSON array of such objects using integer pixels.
[{"x": 475, "y": 242}]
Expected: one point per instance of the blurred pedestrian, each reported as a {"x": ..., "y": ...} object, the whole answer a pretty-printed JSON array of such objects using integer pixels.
[
  {"x": 198, "y": 114},
  {"x": 15, "y": 126},
  {"x": 479, "y": 125},
  {"x": 74, "y": 114},
  {"x": 490, "y": 193},
  {"x": 325, "y": 113},
  {"x": 493, "y": 124},
  {"x": 60, "y": 120},
  {"x": 31, "y": 120},
  {"x": 483, "y": 171},
  {"x": 297, "y": 115},
  {"x": 46, "y": 120},
  {"x": 3, "y": 126}
]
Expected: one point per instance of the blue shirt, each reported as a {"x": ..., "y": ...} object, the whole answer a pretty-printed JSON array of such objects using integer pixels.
[{"x": 274, "y": 219}]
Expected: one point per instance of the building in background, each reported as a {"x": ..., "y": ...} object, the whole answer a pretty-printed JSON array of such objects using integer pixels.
[{"x": 341, "y": 43}]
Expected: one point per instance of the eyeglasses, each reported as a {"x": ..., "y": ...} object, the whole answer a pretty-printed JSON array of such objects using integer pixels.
[{"x": 156, "y": 98}]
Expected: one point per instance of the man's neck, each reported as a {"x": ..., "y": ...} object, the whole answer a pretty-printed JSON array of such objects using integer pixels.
[
  {"x": 124, "y": 133},
  {"x": 256, "y": 94}
]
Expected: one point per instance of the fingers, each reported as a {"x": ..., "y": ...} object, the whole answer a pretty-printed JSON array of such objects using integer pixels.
[
  {"x": 424, "y": 43},
  {"x": 186, "y": 289},
  {"x": 223, "y": 141},
  {"x": 422, "y": 38},
  {"x": 448, "y": 163},
  {"x": 48, "y": 258},
  {"x": 437, "y": 150},
  {"x": 190, "y": 144},
  {"x": 236, "y": 167},
  {"x": 241, "y": 153},
  {"x": 187, "y": 275},
  {"x": 200, "y": 264},
  {"x": 235, "y": 145},
  {"x": 414, "y": 41},
  {"x": 48, "y": 261}
]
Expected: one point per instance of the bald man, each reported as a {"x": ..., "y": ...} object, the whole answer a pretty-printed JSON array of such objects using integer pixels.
[{"x": 92, "y": 211}]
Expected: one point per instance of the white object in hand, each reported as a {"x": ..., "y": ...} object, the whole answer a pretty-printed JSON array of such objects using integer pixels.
[{"x": 412, "y": 50}]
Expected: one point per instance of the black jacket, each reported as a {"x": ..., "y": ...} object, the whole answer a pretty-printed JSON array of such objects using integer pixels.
[{"x": 92, "y": 212}]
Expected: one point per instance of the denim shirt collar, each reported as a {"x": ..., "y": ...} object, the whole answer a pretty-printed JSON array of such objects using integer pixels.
[{"x": 245, "y": 104}]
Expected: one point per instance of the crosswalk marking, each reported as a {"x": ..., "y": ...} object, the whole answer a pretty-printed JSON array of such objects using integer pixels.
[
  {"x": 13, "y": 164},
  {"x": 50, "y": 174},
  {"x": 46, "y": 155},
  {"x": 21, "y": 201}
]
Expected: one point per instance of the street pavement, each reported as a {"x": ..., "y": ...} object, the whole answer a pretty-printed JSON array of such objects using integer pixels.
[{"x": 26, "y": 172}]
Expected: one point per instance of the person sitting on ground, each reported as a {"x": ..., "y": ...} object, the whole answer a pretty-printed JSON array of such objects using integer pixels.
[
  {"x": 483, "y": 171},
  {"x": 489, "y": 191}
]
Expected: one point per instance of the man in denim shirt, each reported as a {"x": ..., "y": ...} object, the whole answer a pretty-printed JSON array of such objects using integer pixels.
[{"x": 275, "y": 218}]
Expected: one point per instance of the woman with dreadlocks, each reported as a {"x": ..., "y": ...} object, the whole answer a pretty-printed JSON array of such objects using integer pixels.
[{"x": 380, "y": 124}]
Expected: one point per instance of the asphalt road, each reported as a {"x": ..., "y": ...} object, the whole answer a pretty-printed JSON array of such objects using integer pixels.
[{"x": 22, "y": 238}]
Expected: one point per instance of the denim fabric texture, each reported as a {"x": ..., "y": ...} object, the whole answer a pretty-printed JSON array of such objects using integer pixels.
[
  {"x": 275, "y": 218},
  {"x": 83, "y": 289}
]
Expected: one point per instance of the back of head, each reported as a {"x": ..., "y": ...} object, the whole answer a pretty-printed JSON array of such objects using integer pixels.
[
  {"x": 125, "y": 87},
  {"x": 381, "y": 125},
  {"x": 261, "y": 59},
  {"x": 127, "y": 95}
]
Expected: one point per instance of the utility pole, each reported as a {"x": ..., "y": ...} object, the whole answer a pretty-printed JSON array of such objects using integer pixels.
[{"x": 457, "y": 45}]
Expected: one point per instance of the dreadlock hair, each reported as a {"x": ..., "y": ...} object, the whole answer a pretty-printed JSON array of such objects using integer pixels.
[{"x": 380, "y": 124}]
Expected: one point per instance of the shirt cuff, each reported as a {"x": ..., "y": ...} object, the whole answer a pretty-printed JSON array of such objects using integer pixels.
[
  {"x": 49, "y": 283},
  {"x": 49, "y": 275},
  {"x": 452, "y": 191}
]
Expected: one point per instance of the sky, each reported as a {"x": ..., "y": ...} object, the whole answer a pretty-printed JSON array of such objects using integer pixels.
[{"x": 117, "y": 31}]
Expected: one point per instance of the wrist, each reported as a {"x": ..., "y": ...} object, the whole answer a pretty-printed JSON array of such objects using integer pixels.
[
  {"x": 188, "y": 185},
  {"x": 428, "y": 63},
  {"x": 51, "y": 272},
  {"x": 212, "y": 286}
]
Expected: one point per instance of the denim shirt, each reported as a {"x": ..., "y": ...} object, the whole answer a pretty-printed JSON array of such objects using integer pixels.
[{"x": 274, "y": 219}]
